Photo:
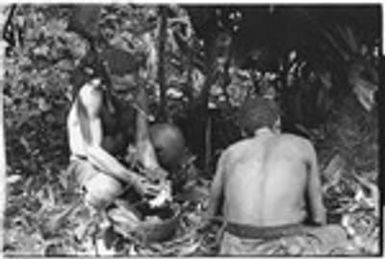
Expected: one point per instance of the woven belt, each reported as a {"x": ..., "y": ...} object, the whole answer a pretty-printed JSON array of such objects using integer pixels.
[{"x": 254, "y": 232}]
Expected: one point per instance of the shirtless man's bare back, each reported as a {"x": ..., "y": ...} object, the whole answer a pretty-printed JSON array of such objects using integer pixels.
[
  {"x": 266, "y": 179},
  {"x": 266, "y": 185}
]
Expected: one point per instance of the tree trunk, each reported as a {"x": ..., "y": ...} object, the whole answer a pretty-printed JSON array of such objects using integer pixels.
[
  {"x": 208, "y": 146},
  {"x": 3, "y": 18},
  {"x": 211, "y": 73},
  {"x": 161, "y": 60}
]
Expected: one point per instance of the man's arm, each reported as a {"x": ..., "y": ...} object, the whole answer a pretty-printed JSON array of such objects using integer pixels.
[
  {"x": 143, "y": 142},
  {"x": 91, "y": 99},
  {"x": 216, "y": 195},
  {"x": 314, "y": 190}
]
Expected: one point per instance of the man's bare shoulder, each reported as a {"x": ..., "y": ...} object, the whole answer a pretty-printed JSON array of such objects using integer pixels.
[
  {"x": 90, "y": 96},
  {"x": 239, "y": 146},
  {"x": 297, "y": 141},
  {"x": 90, "y": 92}
]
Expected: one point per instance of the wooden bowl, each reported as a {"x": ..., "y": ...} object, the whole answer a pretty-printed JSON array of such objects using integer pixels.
[{"x": 159, "y": 231}]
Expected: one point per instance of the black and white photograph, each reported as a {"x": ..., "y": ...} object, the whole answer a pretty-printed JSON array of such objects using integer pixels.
[{"x": 190, "y": 129}]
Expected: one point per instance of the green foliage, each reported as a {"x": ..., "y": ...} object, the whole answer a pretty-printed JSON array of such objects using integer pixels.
[{"x": 37, "y": 89}]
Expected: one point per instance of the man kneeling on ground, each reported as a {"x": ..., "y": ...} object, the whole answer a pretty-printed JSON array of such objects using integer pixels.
[
  {"x": 269, "y": 188},
  {"x": 102, "y": 123}
]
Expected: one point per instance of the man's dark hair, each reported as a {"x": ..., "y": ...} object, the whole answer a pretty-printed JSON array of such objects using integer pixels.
[
  {"x": 110, "y": 61},
  {"x": 121, "y": 62},
  {"x": 257, "y": 112}
]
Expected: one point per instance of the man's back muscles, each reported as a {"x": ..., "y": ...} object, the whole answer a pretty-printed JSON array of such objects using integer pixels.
[{"x": 265, "y": 180}]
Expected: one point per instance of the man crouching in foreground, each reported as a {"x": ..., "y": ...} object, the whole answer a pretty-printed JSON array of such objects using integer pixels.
[
  {"x": 101, "y": 125},
  {"x": 270, "y": 188}
]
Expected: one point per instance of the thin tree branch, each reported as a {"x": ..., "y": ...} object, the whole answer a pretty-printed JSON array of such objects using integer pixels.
[{"x": 161, "y": 61}]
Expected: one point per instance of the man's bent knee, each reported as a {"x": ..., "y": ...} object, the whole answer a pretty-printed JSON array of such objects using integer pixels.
[{"x": 102, "y": 190}]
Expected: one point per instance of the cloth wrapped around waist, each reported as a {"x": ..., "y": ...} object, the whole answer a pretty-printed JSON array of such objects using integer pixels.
[
  {"x": 249, "y": 231},
  {"x": 294, "y": 239}
]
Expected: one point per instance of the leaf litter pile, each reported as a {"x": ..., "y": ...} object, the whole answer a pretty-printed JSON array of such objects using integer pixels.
[{"x": 40, "y": 224}]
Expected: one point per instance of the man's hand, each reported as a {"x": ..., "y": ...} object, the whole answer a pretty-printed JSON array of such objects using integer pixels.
[
  {"x": 157, "y": 175},
  {"x": 145, "y": 188}
]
